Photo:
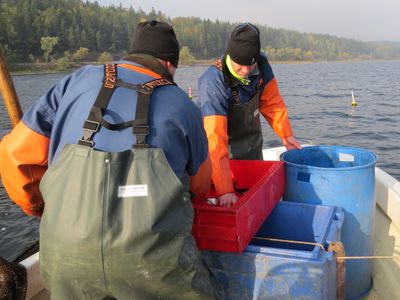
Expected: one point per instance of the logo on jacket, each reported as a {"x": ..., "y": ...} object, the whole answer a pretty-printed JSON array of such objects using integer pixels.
[{"x": 111, "y": 77}]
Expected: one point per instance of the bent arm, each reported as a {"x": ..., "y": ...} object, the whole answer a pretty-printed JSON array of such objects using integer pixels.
[
  {"x": 274, "y": 110},
  {"x": 201, "y": 182},
  {"x": 217, "y": 134},
  {"x": 23, "y": 161}
]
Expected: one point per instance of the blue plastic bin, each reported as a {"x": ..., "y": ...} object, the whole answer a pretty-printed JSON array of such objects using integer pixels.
[
  {"x": 344, "y": 177},
  {"x": 277, "y": 270}
]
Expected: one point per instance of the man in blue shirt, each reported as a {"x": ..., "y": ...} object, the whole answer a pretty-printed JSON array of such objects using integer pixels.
[{"x": 107, "y": 158}]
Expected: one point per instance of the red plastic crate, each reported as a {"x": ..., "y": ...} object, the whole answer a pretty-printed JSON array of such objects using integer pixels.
[{"x": 231, "y": 229}]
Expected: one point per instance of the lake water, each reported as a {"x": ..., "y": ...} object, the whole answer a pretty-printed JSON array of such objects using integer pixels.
[{"x": 318, "y": 96}]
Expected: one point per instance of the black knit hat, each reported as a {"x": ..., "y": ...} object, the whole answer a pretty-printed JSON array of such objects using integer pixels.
[
  {"x": 156, "y": 39},
  {"x": 244, "y": 44}
]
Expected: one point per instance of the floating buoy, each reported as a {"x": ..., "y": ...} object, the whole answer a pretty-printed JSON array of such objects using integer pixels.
[
  {"x": 353, "y": 102},
  {"x": 190, "y": 93}
]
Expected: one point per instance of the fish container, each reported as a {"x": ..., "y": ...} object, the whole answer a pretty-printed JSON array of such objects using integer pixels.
[
  {"x": 259, "y": 185},
  {"x": 271, "y": 269},
  {"x": 344, "y": 177}
]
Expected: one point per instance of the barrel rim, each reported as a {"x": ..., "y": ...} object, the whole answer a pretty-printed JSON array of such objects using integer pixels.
[{"x": 373, "y": 163}]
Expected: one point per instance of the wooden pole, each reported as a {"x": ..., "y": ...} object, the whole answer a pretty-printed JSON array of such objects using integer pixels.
[
  {"x": 338, "y": 249},
  {"x": 15, "y": 275},
  {"x": 8, "y": 92}
]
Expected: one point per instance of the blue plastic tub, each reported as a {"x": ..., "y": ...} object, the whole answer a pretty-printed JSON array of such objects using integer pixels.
[
  {"x": 277, "y": 270},
  {"x": 344, "y": 177}
]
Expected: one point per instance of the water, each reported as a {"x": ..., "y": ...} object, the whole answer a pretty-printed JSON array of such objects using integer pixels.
[{"x": 318, "y": 96}]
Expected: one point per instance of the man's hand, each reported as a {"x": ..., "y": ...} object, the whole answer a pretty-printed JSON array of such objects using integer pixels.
[
  {"x": 290, "y": 142},
  {"x": 227, "y": 200}
]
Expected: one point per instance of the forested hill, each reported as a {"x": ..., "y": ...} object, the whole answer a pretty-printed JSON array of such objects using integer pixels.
[{"x": 73, "y": 25}]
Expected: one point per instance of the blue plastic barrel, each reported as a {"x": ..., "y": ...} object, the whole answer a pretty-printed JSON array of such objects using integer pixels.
[{"x": 343, "y": 177}]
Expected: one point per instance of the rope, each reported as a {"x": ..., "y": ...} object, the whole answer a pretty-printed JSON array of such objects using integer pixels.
[
  {"x": 369, "y": 257},
  {"x": 322, "y": 247},
  {"x": 291, "y": 241}
]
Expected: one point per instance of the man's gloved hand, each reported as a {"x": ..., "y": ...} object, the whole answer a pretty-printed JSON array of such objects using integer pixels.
[
  {"x": 227, "y": 200},
  {"x": 13, "y": 280}
]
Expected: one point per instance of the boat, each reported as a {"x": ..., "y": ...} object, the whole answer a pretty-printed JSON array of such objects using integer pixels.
[
  {"x": 386, "y": 262},
  {"x": 386, "y": 265}
]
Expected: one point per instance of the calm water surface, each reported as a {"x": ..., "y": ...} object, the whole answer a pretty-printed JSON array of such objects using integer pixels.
[{"x": 318, "y": 96}]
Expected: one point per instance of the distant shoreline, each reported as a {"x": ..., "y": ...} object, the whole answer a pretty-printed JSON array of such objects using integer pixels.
[{"x": 32, "y": 68}]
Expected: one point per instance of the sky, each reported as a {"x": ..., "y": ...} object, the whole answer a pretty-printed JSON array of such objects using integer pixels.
[{"x": 364, "y": 20}]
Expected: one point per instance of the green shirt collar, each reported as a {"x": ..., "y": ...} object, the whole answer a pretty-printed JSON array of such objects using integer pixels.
[{"x": 244, "y": 81}]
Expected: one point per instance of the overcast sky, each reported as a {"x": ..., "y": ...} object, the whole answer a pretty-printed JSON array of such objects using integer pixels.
[{"x": 365, "y": 20}]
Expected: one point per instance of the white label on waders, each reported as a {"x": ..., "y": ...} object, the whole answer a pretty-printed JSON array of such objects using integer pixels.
[{"x": 134, "y": 190}]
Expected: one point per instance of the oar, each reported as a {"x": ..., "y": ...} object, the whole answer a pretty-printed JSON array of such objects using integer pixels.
[
  {"x": 8, "y": 92},
  {"x": 14, "y": 283}
]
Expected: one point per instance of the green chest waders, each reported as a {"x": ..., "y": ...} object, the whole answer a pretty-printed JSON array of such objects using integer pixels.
[
  {"x": 117, "y": 224},
  {"x": 244, "y": 129}
]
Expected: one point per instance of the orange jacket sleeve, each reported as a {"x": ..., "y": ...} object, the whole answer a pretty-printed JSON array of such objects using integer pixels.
[
  {"x": 201, "y": 182},
  {"x": 274, "y": 110},
  {"x": 217, "y": 133},
  {"x": 23, "y": 161}
]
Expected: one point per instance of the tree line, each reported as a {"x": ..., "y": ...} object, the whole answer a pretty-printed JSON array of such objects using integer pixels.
[{"x": 72, "y": 28}]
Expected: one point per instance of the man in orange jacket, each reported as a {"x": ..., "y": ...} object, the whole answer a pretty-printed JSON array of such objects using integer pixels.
[
  {"x": 112, "y": 191},
  {"x": 232, "y": 94}
]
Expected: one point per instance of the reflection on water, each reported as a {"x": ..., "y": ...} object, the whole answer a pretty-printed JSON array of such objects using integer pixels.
[{"x": 318, "y": 96}]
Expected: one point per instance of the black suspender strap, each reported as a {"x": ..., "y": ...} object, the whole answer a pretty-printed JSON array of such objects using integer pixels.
[
  {"x": 140, "y": 126},
  {"x": 119, "y": 83},
  {"x": 92, "y": 123}
]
